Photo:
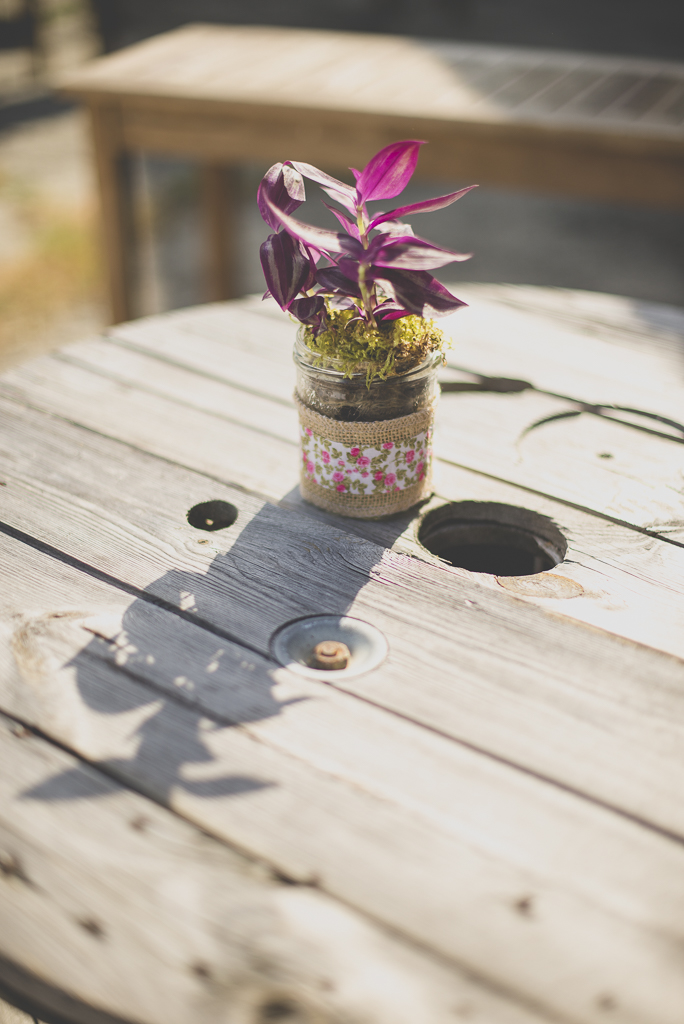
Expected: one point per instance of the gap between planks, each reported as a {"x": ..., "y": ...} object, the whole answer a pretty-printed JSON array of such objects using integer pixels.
[
  {"x": 496, "y": 870},
  {"x": 273, "y": 566},
  {"x": 184, "y": 928},
  {"x": 628, "y": 581}
]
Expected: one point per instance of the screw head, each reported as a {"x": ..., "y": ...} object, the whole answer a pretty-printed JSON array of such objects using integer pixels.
[{"x": 330, "y": 654}]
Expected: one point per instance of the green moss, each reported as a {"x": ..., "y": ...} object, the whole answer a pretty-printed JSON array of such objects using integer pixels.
[{"x": 394, "y": 347}]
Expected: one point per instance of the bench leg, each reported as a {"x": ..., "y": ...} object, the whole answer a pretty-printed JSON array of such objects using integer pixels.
[
  {"x": 116, "y": 209},
  {"x": 220, "y": 202}
]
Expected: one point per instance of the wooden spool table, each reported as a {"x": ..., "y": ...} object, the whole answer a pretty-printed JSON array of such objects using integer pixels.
[{"x": 487, "y": 827}]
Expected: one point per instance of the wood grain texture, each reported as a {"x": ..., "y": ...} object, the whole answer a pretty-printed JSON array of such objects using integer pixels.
[
  {"x": 630, "y": 357},
  {"x": 11, "y": 1015},
  {"x": 530, "y": 119},
  {"x": 539, "y": 891},
  {"x": 116, "y": 213},
  {"x": 633, "y": 584},
  {"x": 117, "y": 909},
  {"x": 517, "y": 770},
  {"x": 530, "y": 687},
  {"x": 392, "y": 75}
]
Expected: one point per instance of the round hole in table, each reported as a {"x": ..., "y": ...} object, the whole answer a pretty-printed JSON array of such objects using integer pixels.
[
  {"x": 212, "y": 515},
  {"x": 491, "y": 537}
]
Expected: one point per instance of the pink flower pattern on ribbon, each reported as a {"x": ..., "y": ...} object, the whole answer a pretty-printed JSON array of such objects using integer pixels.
[{"x": 389, "y": 466}]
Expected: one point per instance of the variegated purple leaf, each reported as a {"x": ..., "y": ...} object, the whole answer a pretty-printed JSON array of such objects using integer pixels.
[
  {"x": 308, "y": 309},
  {"x": 396, "y": 227},
  {"x": 417, "y": 291},
  {"x": 285, "y": 267},
  {"x": 411, "y": 253},
  {"x": 389, "y": 310},
  {"x": 334, "y": 280},
  {"x": 396, "y": 314},
  {"x": 349, "y": 267},
  {"x": 345, "y": 219},
  {"x": 320, "y": 238},
  {"x": 389, "y": 171},
  {"x": 342, "y": 302},
  {"x": 284, "y": 187},
  {"x": 425, "y": 207},
  {"x": 337, "y": 190}
]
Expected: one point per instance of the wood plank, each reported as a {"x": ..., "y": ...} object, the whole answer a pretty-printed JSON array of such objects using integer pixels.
[
  {"x": 519, "y": 687},
  {"x": 10, "y": 1015},
  {"x": 151, "y": 422},
  {"x": 560, "y": 902},
  {"x": 628, "y": 364},
  {"x": 210, "y": 357},
  {"x": 637, "y": 592},
  {"x": 187, "y": 92},
  {"x": 219, "y": 213},
  {"x": 116, "y": 209},
  {"x": 183, "y": 928},
  {"x": 633, "y": 584},
  {"x": 391, "y": 74}
]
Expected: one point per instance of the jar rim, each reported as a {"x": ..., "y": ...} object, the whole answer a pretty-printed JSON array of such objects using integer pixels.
[{"x": 301, "y": 348}]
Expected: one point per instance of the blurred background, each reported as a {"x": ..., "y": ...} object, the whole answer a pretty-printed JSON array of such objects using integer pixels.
[{"x": 51, "y": 287}]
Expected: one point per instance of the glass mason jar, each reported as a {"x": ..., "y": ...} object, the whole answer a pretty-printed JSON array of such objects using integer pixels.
[
  {"x": 325, "y": 389},
  {"x": 366, "y": 452}
]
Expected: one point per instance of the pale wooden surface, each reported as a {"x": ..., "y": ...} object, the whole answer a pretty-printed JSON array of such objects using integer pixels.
[
  {"x": 488, "y": 826},
  {"x": 610, "y": 128}
]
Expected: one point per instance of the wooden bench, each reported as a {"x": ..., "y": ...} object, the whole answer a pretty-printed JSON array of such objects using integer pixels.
[{"x": 608, "y": 128}]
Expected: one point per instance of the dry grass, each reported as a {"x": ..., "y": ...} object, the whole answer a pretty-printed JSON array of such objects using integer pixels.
[{"x": 56, "y": 279}]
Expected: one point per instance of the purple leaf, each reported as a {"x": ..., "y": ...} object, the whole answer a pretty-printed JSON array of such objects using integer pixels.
[
  {"x": 411, "y": 253},
  {"x": 396, "y": 227},
  {"x": 389, "y": 171},
  {"x": 312, "y": 257},
  {"x": 350, "y": 268},
  {"x": 342, "y": 302},
  {"x": 389, "y": 310},
  {"x": 396, "y": 314},
  {"x": 320, "y": 238},
  {"x": 308, "y": 309},
  {"x": 418, "y": 291},
  {"x": 425, "y": 207},
  {"x": 345, "y": 219},
  {"x": 285, "y": 267},
  {"x": 335, "y": 280},
  {"x": 337, "y": 190},
  {"x": 284, "y": 187}
]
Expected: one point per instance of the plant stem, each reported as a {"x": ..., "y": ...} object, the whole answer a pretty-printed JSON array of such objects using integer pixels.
[{"x": 368, "y": 295}]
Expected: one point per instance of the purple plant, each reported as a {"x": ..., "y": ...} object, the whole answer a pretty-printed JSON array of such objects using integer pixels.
[{"x": 375, "y": 266}]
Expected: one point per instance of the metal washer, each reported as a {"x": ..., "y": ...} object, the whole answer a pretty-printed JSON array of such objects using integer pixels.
[{"x": 292, "y": 644}]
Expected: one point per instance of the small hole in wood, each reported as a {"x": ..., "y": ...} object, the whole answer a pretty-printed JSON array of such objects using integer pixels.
[
  {"x": 525, "y": 906},
  {"x": 280, "y": 1009},
  {"x": 212, "y": 515},
  {"x": 93, "y": 927},
  {"x": 489, "y": 537}
]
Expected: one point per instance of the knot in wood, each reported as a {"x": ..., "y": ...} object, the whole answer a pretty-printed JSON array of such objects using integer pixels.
[{"x": 330, "y": 654}]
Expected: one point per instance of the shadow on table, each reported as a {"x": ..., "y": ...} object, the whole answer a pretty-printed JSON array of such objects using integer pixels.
[{"x": 188, "y": 683}]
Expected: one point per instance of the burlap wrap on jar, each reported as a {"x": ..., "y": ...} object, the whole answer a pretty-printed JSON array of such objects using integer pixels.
[{"x": 366, "y": 469}]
